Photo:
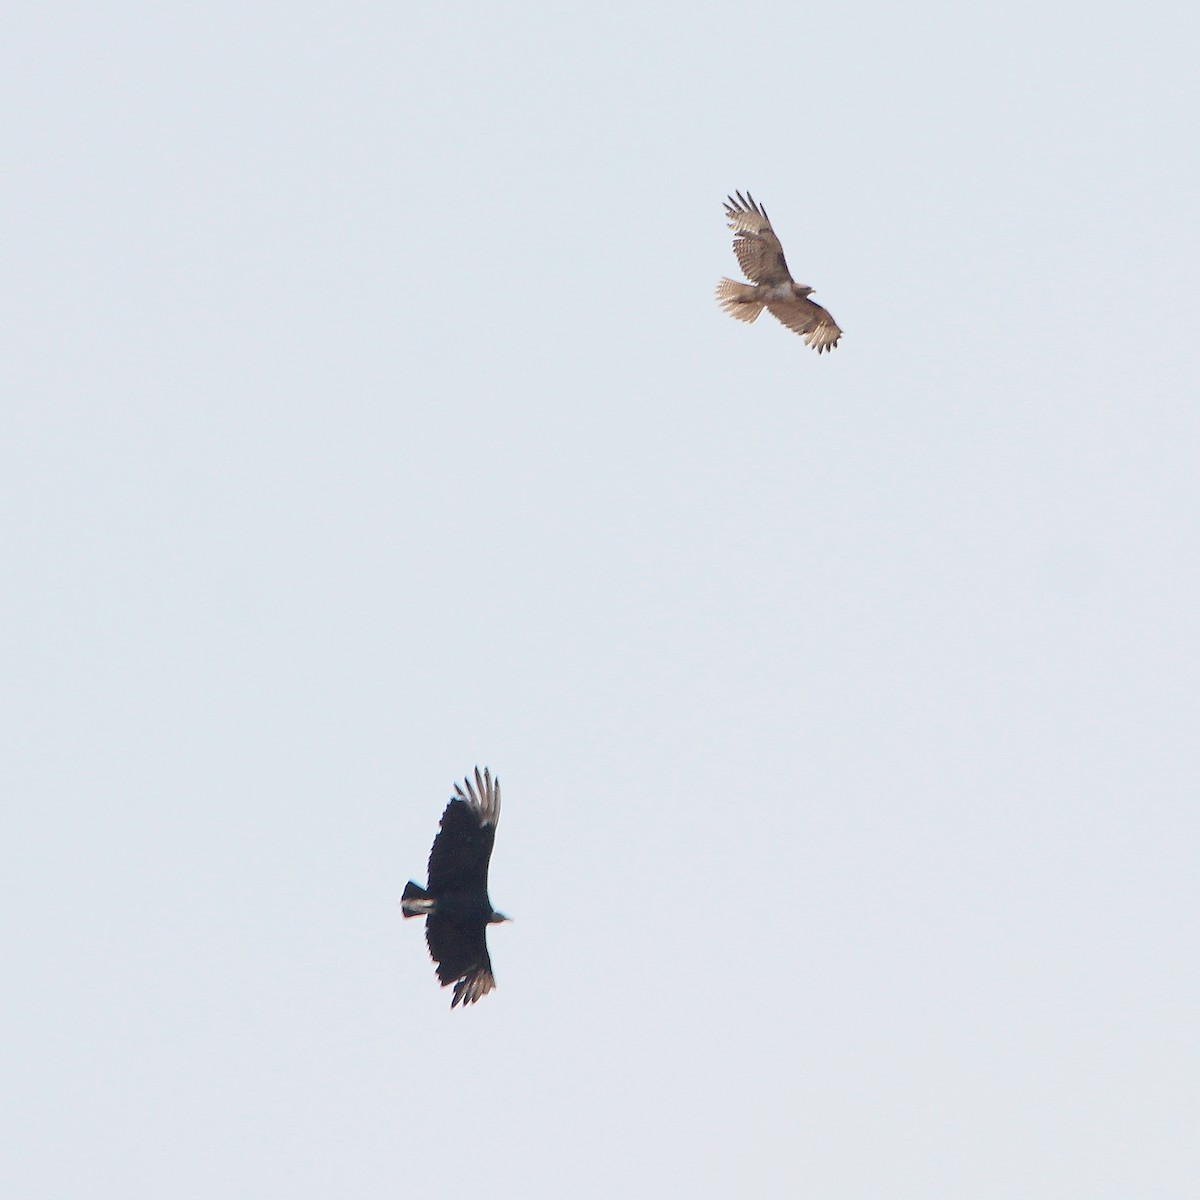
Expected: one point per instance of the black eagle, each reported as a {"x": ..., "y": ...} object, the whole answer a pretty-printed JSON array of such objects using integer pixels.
[{"x": 455, "y": 901}]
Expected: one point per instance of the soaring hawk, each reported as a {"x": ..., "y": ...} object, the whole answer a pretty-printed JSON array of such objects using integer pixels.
[
  {"x": 771, "y": 285},
  {"x": 455, "y": 901}
]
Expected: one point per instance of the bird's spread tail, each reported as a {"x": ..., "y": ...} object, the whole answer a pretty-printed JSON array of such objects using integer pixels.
[
  {"x": 416, "y": 901},
  {"x": 738, "y": 299}
]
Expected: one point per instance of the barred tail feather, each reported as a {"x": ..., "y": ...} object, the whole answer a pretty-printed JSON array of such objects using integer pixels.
[
  {"x": 416, "y": 901},
  {"x": 737, "y": 299}
]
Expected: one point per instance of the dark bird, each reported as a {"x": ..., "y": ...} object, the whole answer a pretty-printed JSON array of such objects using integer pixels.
[
  {"x": 455, "y": 901},
  {"x": 760, "y": 256}
]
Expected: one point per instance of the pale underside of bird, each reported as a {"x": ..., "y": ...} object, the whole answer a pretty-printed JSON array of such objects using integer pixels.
[{"x": 771, "y": 284}]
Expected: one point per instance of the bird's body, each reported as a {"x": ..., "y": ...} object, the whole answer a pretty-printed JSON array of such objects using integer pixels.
[
  {"x": 760, "y": 255},
  {"x": 455, "y": 901}
]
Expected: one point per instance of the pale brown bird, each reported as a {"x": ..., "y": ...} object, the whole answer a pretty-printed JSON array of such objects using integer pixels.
[{"x": 771, "y": 285}]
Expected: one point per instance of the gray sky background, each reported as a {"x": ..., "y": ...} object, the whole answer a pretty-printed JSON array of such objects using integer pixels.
[{"x": 368, "y": 416}]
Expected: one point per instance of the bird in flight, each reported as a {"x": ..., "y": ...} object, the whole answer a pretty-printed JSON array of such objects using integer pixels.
[
  {"x": 455, "y": 901},
  {"x": 771, "y": 284}
]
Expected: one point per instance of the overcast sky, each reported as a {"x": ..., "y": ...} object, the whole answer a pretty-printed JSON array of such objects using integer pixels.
[{"x": 368, "y": 416}]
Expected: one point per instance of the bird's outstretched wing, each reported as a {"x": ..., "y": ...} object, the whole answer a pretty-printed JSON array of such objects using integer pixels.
[
  {"x": 757, "y": 248},
  {"x": 459, "y": 947},
  {"x": 462, "y": 849},
  {"x": 808, "y": 319}
]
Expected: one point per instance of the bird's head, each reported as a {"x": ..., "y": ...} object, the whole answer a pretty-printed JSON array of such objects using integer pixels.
[
  {"x": 802, "y": 290},
  {"x": 497, "y": 917}
]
